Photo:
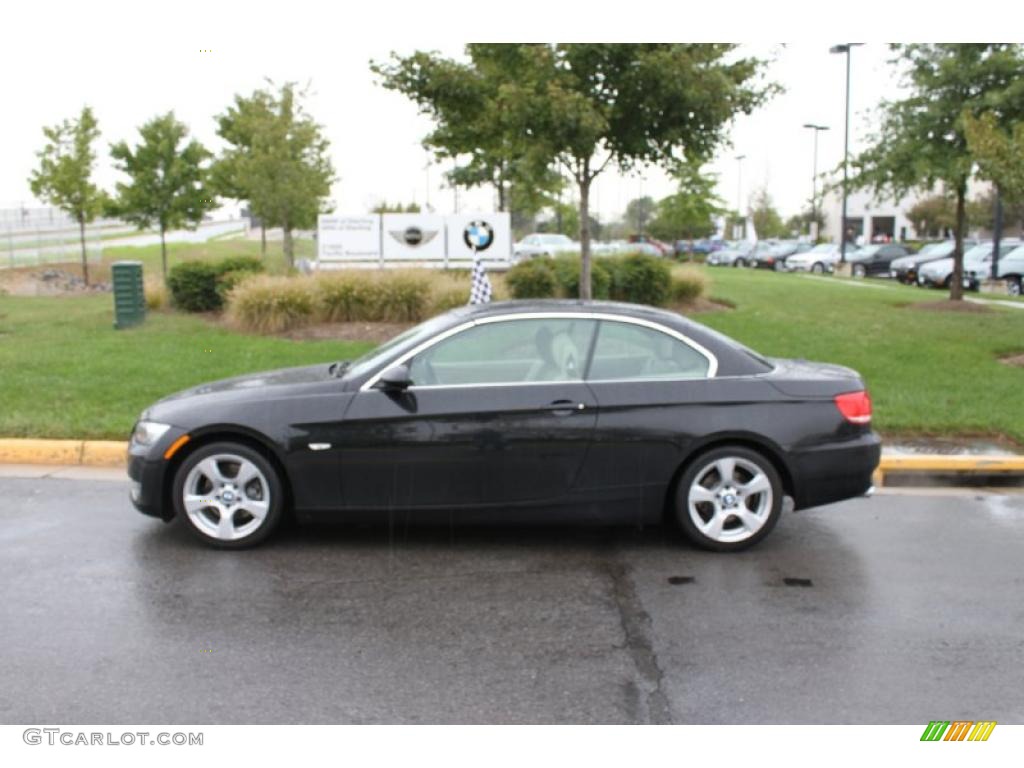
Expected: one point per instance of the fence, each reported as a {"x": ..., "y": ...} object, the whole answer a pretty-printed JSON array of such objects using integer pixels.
[{"x": 31, "y": 236}]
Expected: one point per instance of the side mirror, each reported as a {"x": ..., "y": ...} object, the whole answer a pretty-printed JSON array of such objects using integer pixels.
[{"x": 396, "y": 378}]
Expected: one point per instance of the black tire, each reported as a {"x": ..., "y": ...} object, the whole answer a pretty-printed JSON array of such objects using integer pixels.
[
  {"x": 698, "y": 467},
  {"x": 274, "y": 488},
  {"x": 740, "y": 263},
  {"x": 859, "y": 271},
  {"x": 1013, "y": 285},
  {"x": 818, "y": 268}
]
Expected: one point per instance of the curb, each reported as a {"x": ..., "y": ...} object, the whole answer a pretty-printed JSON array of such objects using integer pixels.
[
  {"x": 113, "y": 453},
  {"x": 86, "y": 453}
]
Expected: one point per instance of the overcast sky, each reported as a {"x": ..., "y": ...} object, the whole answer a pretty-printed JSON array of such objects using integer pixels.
[{"x": 128, "y": 69}]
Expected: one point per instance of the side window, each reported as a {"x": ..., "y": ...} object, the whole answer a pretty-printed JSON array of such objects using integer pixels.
[
  {"x": 628, "y": 351},
  {"x": 507, "y": 352}
]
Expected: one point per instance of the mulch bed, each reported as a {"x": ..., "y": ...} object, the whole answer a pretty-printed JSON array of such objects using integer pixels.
[
  {"x": 946, "y": 305},
  {"x": 1017, "y": 360}
]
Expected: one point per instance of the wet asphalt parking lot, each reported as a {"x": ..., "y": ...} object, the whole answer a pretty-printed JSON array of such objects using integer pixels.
[{"x": 904, "y": 608}]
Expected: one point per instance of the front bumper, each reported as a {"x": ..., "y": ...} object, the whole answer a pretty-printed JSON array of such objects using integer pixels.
[
  {"x": 835, "y": 471},
  {"x": 148, "y": 471}
]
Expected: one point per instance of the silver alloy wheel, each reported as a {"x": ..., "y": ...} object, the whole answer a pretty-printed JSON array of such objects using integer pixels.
[
  {"x": 818, "y": 268},
  {"x": 859, "y": 270},
  {"x": 730, "y": 499},
  {"x": 226, "y": 496},
  {"x": 780, "y": 266},
  {"x": 1013, "y": 286}
]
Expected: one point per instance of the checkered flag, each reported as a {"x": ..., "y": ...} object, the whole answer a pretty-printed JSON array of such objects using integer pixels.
[{"x": 480, "y": 290}]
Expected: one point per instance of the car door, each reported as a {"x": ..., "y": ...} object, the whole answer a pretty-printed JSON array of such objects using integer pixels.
[
  {"x": 645, "y": 378},
  {"x": 497, "y": 414}
]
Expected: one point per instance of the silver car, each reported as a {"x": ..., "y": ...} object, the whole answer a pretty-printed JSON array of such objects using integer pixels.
[
  {"x": 736, "y": 255},
  {"x": 820, "y": 259},
  {"x": 937, "y": 274},
  {"x": 1010, "y": 268},
  {"x": 543, "y": 245}
]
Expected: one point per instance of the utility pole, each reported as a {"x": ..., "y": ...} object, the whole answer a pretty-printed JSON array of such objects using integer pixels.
[
  {"x": 846, "y": 48},
  {"x": 812, "y": 226}
]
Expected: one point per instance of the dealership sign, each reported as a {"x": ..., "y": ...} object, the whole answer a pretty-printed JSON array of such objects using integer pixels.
[{"x": 414, "y": 237}]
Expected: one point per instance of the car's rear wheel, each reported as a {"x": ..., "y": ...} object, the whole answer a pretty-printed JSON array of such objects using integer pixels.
[
  {"x": 818, "y": 268},
  {"x": 780, "y": 266},
  {"x": 228, "y": 495},
  {"x": 728, "y": 499},
  {"x": 1013, "y": 286},
  {"x": 859, "y": 270},
  {"x": 740, "y": 263}
]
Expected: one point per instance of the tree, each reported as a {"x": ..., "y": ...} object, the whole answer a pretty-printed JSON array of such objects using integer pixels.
[
  {"x": 167, "y": 179},
  {"x": 801, "y": 222},
  {"x": 691, "y": 211},
  {"x": 921, "y": 140},
  {"x": 999, "y": 153},
  {"x": 238, "y": 126},
  {"x": 639, "y": 211},
  {"x": 590, "y": 105},
  {"x": 278, "y": 159},
  {"x": 386, "y": 207},
  {"x": 766, "y": 219},
  {"x": 465, "y": 103},
  {"x": 64, "y": 175},
  {"x": 981, "y": 212},
  {"x": 933, "y": 216}
]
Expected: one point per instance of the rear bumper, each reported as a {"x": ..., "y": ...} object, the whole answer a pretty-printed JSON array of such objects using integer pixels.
[{"x": 835, "y": 471}]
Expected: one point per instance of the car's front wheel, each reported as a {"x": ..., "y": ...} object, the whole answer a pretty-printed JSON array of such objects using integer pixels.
[
  {"x": 728, "y": 499},
  {"x": 1013, "y": 286},
  {"x": 859, "y": 270},
  {"x": 740, "y": 263},
  {"x": 228, "y": 495},
  {"x": 818, "y": 268}
]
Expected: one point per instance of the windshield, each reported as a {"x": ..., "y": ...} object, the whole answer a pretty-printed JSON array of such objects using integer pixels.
[
  {"x": 823, "y": 248},
  {"x": 397, "y": 345},
  {"x": 937, "y": 249},
  {"x": 869, "y": 250},
  {"x": 979, "y": 252}
]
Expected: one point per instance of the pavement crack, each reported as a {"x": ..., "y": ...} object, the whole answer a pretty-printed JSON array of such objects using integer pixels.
[{"x": 636, "y": 627}]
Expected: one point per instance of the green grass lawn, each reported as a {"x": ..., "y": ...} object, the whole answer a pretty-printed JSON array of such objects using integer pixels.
[
  {"x": 64, "y": 371},
  {"x": 928, "y": 372}
]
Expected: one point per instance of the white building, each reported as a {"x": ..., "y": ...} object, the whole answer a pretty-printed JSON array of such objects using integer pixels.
[{"x": 869, "y": 217}]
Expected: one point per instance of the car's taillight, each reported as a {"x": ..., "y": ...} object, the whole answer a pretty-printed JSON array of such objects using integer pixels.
[{"x": 855, "y": 406}]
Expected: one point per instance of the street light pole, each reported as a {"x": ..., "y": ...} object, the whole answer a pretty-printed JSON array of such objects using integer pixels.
[
  {"x": 814, "y": 178},
  {"x": 739, "y": 190},
  {"x": 846, "y": 48}
]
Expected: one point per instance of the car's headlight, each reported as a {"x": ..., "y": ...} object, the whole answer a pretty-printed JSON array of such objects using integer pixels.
[{"x": 148, "y": 432}]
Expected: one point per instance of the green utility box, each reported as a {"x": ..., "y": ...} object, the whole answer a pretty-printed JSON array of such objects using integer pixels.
[{"x": 129, "y": 296}]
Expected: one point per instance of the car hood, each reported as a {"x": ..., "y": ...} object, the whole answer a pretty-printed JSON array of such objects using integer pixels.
[
  {"x": 907, "y": 261},
  {"x": 252, "y": 386}
]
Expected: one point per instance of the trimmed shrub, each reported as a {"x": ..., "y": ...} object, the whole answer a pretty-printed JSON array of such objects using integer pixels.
[
  {"x": 193, "y": 286},
  {"x": 201, "y": 286},
  {"x": 640, "y": 279},
  {"x": 567, "y": 272},
  {"x": 533, "y": 279},
  {"x": 449, "y": 294},
  {"x": 273, "y": 304}
]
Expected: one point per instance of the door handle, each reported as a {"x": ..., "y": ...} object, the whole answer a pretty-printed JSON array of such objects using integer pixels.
[{"x": 565, "y": 407}]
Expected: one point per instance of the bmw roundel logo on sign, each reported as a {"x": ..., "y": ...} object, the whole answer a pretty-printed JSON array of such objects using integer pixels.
[{"x": 478, "y": 235}]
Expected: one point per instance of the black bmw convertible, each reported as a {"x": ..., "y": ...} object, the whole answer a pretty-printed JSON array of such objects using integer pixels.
[{"x": 515, "y": 412}]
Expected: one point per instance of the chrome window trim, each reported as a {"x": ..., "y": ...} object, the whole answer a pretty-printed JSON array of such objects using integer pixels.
[{"x": 700, "y": 348}]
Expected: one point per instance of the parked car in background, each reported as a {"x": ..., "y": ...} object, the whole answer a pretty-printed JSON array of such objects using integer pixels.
[
  {"x": 905, "y": 268},
  {"x": 875, "y": 260},
  {"x": 543, "y": 245},
  {"x": 820, "y": 259},
  {"x": 587, "y": 411},
  {"x": 703, "y": 246},
  {"x": 937, "y": 274},
  {"x": 651, "y": 246},
  {"x": 734, "y": 255},
  {"x": 1009, "y": 268},
  {"x": 774, "y": 257}
]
